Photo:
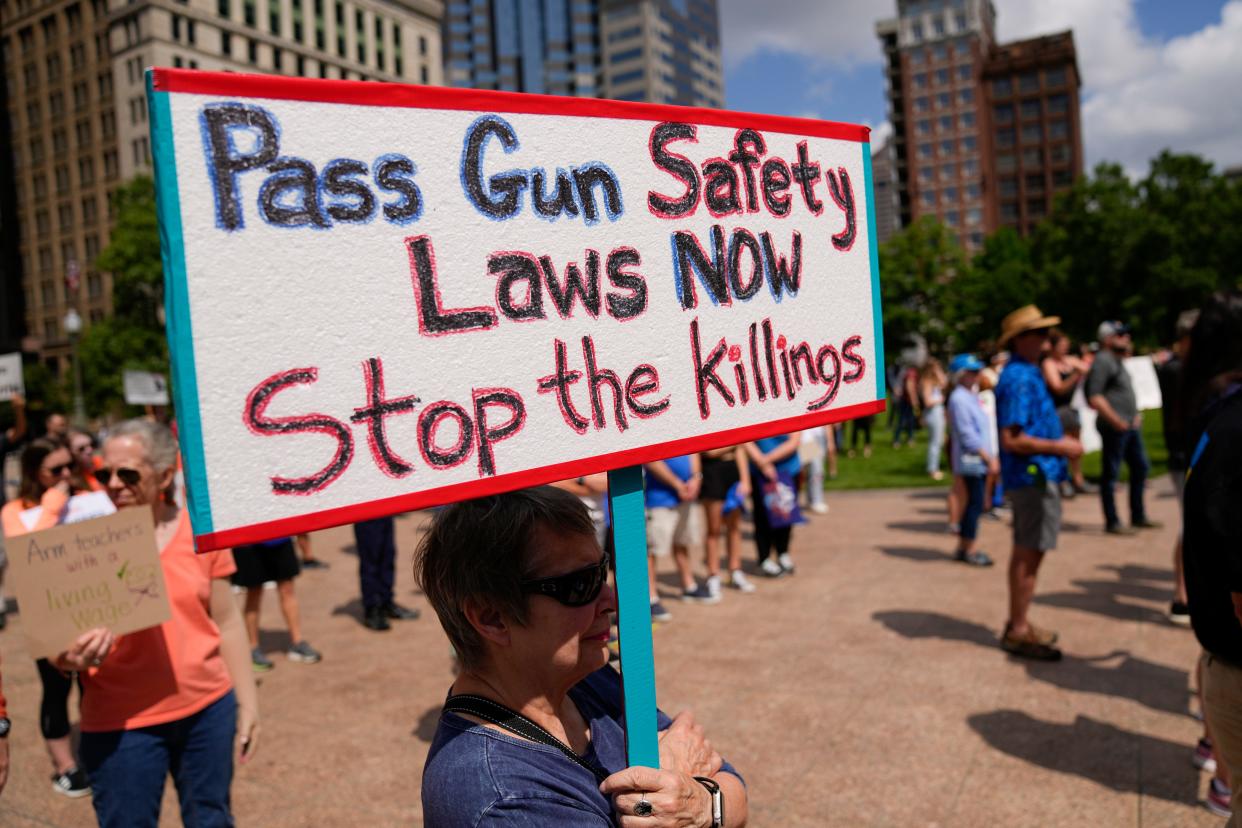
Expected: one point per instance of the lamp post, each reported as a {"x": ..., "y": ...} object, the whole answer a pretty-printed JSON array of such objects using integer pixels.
[{"x": 73, "y": 327}]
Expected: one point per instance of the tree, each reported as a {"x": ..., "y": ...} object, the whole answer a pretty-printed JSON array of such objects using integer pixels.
[
  {"x": 1000, "y": 280},
  {"x": 917, "y": 268}
]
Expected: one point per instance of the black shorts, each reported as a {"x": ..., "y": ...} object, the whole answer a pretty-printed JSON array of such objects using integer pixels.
[
  {"x": 260, "y": 563},
  {"x": 719, "y": 475}
]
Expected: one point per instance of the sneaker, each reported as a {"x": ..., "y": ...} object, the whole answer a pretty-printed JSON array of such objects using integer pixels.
[
  {"x": 954, "y": 528},
  {"x": 713, "y": 586},
  {"x": 771, "y": 568},
  {"x": 1068, "y": 492},
  {"x": 1147, "y": 523},
  {"x": 819, "y": 508},
  {"x": 398, "y": 612},
  {"x": 739, "y": 581},
  {"x": 1179, "y": 614},
  {"x": 993, "y": 514},
  {"x": 1086, "y": 488},
  {"x": 375, "y": 619},
  {"x": 1204, "y": 758},
  {"x": 659, "y": 613},
  {"x": 786, "y": 564},
  {"x": 72, "y": 783},
  {"x": 1118, "y": 529},
  {"x": 260, "y": 662},
  {"x": 304, "y": 653},
  {"x": 700, "y": 595},
  {"x": 314, "y": 563},
  {"x": 975, "y": 558},
  {"x": 1218, "y": 799},
  {"x": 1028, "y": 646}
]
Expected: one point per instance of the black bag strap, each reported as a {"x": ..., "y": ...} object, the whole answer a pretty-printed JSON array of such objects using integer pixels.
[{"x": 514, "y": 722}]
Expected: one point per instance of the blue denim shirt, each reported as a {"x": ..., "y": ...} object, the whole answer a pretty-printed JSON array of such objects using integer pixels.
[
  {"x": 477, "y": 776},
  {"x": 1022, "y": 400},
  {"x": 970, "y": 428}
]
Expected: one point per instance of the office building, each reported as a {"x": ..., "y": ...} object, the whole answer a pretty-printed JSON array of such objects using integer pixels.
[
  {"x": 885, "y": 190},
  {"x": 665, "y": 51},
  {"x": 940, "y": 59},
  {"x": 78, "y": 123}
]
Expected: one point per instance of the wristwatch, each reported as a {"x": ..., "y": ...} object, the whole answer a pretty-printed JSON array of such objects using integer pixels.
[
  {"x": 5, "y": 727},
  {"x": 713, "y": 788}
]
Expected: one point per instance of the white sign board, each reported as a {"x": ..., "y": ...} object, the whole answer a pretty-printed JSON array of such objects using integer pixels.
[
  {"x": 145, "y": 388},
  {"x": 12, "y": 382},
  {"x": 81, "y": 507},
  {"x": 387, "y": 297},
  {"x": 1146, "y": 383}
]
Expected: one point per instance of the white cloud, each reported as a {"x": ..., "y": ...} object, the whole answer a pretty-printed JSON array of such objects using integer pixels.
[
  {"x": 839, "y": 33},
  {"x": 1140, "y": 96},
  {"x": 881, "y": 134}
]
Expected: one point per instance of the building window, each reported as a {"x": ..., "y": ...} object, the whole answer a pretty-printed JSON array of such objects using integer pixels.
[
  {"x": 88, "y": 210},
  {"x": 948, "y": 172},
  {"x": 176, "y": 61},
  {"x": 950, "y": 194},
  {"x": 86, "y": 171},
  {"x": 928, "y": 198},
  {"x": 252, "y": 52},
  {"x": 301, "y": 66},
  {"x": 1032, "y": 134},
  {"x": 278, "y": 58},
  {"x": 925, "y": 150},
  {"x": 1062, "y": 178},
  {"x": 1002, "y": 88},
  {"x": 1009, "y": 211},
  {"x": 249, "y": 13},
  {"x": 1032, "y": 159},
  {"x": 298, "y": 32},
  {"x": 970, "y": 167},
  {"x": 944, "y": 100},
  {"x": 965, "y": 96},
  {"x": 94, "y": 286},
  {"x": 940, "y": 52},
  {"x": 1030, "y": 109},
  {"x": 920, "y": 103},
  {"x": 926, "y": 174},
  {"x": 924, "y": 127},
  {"x": 951, "y": 218},
  {"x": 969, "y": 144},
  {"x": 1003, "y": 114},
  {"x": 224, "y": 8},
  {"x": 1028, "y": 81},
  {"x": 973, "y": 192},
  {"x": 1036, "y": 208},
  {"x": 946, "y": 123},
  {"x": 916, "y": 32},
  {"x": 1058, "y": 104},
  {"x": 1054, "y": 77},
  {"x": 965, "y": 72},
  {"x": 947, "y": 147},
  {"x": 62, "y": 179},
  {"x": 226, "y": 44},
  {"x": 1059, "y": 153},
  {"x": 110, "y": 170},
  {"x": 422, "y": 46},
  {"x": 422, "y": 74},
  {"x": 938, "y": 25},
  {"x": 974, "y": 216},
  {"x": 967, "y": 119},
  {"x": 1006, "y": 162},
  {"x": 920, "y": 80},
  {"x": 942, "y": 77}
]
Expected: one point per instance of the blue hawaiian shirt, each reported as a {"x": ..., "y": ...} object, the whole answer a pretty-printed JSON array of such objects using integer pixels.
[{"x": 1022, "y": 400}]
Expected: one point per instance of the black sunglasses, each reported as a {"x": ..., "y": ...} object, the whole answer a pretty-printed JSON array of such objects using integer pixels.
[
  {"x": 573, "y": 589},
  {"x": 57, "y": 471},
  {"x": 129, "y": 477}
]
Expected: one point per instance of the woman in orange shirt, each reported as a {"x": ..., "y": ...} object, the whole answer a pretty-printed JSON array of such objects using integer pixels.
[
  {"x": 176, "y": 698},
  {"x": 46, "y": 469}
]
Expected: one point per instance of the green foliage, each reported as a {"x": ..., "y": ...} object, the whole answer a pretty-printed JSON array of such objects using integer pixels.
[
  {"x": 1112, "y": 248},
  {"x": 110, "y": 347},
  {"x": 133, "y": 255}
]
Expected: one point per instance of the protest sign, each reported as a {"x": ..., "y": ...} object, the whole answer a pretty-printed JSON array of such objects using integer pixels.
[
  {"x": 1145, "y": 382},
  {"x": 145, "y": 388},
  {"x": 11, "y": 381},
  {"x": 383, "y": 298},
  {"x": 97, "y": 573}
]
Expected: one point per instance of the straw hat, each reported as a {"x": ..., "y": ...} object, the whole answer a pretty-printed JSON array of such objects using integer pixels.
[{"x": 1029, "y": 318}]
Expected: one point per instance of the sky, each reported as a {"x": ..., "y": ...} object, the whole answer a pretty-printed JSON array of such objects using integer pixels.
[{"x": 1155, "y": 73}]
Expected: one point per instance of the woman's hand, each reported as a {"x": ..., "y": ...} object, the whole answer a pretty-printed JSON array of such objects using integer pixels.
[
  {"x": 768, "y": 469},
  {"x": 685, "y": 747},
  {"x": 63, "y": 487},
  {"x": 676, "y": 799},
  {"x": 247, "y": 733},
  {"x": 89, "y": 650}
]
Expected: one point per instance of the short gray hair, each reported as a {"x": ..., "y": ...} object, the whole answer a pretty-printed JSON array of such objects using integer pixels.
[{"x": 156, "y": 439}]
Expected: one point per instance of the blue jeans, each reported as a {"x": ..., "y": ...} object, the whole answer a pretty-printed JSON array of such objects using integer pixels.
[
  {"x": 127, "y": 769},
  {"x": 1118, "y": 446},
  {"x": 377, "y": 560},
  {"x": 969, "y": 529}
]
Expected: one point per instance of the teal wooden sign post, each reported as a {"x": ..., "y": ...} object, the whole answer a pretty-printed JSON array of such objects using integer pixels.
[{"x": 629, "y": 532}]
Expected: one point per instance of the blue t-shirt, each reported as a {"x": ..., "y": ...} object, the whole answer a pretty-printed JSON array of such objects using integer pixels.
[
  {"x": 791, "y": 465},
  {"x": 659, "y": 494},
  {"x": 476, "y": 775},
  {"x": 1022, "y": 400}
]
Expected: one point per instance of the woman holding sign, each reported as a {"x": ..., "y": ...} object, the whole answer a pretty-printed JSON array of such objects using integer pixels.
[
  {"x": 179, "y": 697},
  {"x": 46, "y": 469},
  {"x": 532, "y": 733}
]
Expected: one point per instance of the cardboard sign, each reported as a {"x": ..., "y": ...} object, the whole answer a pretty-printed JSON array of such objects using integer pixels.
[
  {"x": 145, "y": 388},
  {"x": 98, "y": 573},
  {"x": 79, "y": 508},
  {"x": 11, "y": 380},
  {"x": 385, "y": 297},
  {"x": 1145, "y": 382}
]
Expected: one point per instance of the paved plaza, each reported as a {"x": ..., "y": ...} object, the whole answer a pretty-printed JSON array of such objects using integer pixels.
[{"x": 865, "y": 690}]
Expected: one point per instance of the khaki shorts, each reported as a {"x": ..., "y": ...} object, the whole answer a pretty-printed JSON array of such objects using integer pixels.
[
  {"x": 673, "y": 526},
  {"x": 1036, "y": 515},
  {"x": 1221, "y": 686}
]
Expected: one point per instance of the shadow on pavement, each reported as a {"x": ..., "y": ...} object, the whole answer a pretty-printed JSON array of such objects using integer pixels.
[
  {"x": 352, "y": 608},
  {"x": 1136, "y": 572},
  {"x": 935, "y": 527},
  {"x": 274, "y": 641},
  {"x": 1088, "y": 747},
  {"x": 1124, "y": 676},
  {"x": 426, "y": 728},
  {"x": 1105, "y": 598},
  {"x": 922, "y": 554}
]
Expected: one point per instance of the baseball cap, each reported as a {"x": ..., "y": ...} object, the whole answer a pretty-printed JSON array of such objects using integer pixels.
[
  {"x": 965, "y": 362},
  {"x": 1111, "y": 328}
]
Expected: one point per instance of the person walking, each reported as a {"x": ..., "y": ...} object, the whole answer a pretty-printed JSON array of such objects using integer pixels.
[
  {"x": 377, "y": 561},
  {"x": 1111, "y": 394},
  {"x": 1064, "y": 372},
  {"x": 259, "y": 564},
  {"x": 970, "y": 458},
  {"x": 47, "y": 467},
  {"x": 1209, "y": 410},
  {"x": 1033, "y": 453},
  {"x": 931, "y": 391},
  {"x": 1169, "y": 374}
]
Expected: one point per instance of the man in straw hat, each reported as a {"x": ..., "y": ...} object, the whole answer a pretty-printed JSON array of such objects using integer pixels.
[{"x": 1033, "y": 452}]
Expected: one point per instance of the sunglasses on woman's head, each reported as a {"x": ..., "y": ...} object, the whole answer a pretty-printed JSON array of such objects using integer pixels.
[
  {"x": 573, "y": 589},
  {"x": 129, "y": 477},
  {"x": 57, "y": 471}
]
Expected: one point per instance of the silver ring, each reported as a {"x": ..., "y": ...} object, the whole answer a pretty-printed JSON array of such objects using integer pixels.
[
  {"x": 642, "y": 807},
  {"x": 98, "y": 661}
]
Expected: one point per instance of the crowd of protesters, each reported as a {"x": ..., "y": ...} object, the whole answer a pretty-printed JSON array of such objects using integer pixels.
[{"x": 1011, "y": 433}]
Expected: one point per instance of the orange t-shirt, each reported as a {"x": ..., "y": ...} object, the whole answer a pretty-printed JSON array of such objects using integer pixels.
[{"x": 172, "y": 671}]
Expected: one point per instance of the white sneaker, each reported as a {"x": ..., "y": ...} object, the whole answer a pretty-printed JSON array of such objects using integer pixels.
[
  {"x": 740, "y": 582},
  {"x": 771, "y": 568},
  {"x": 786, "y": 563},
  {"x": 713, "y": 586},
  {"x": 819, "y": 508}
]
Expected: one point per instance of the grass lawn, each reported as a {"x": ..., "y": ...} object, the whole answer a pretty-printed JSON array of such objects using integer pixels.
[{"x": 904, "y": 467}]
